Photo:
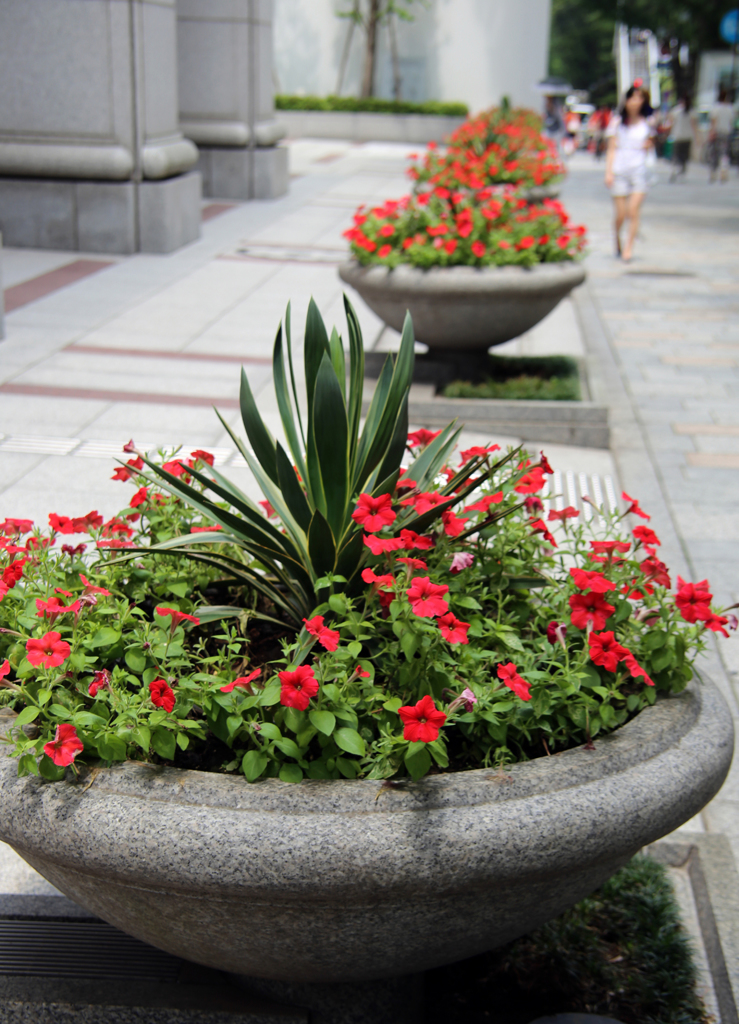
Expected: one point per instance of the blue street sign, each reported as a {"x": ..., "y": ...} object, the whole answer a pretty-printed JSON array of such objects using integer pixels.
[{"x": 730, "y": 27}]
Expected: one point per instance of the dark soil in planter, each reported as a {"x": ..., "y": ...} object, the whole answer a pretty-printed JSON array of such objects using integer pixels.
[
  {"x": 620, "y": 953},
  {"x": 550, "y": 378},
  {"x": 483, "y": 375}
]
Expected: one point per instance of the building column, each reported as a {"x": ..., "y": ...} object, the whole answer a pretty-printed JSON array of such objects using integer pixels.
[
  {"x": 91, "y": 154},
  {"x": 227, "y": 97}
]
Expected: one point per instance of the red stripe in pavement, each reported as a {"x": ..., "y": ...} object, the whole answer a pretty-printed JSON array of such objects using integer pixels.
[
  {"x": 29, "y": 291},
  {"x": 163, "y": 354},
  {"x": 98, "y": 394},
  {"x": 215, "y": 210}
]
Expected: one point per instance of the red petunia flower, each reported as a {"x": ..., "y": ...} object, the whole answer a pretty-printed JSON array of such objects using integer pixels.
[
  {"x": 544, "y": 463},
  {"x": 369, "y": 576},
  {"x": 509, "y": 675},
  {"x": 54, "y": 607},
  {"x": 694, "y": 600},
  {"x": 478, "y": 249},
  {"x": 565, "y": 513},
  {"x": 423, "y": 722},
  {"x": 646, "y": 536},
  {"x": 533, "y": 504},
  {"x": 605, "y": 650},
  {"x": 412, "y": 540},
  {"x": 655, "y": 571},
  {"x": 539, "y": 526},
  {"x": 634, "y": 506},
  {"x": 65, "y": 746},
  {"x": 374, "y": 513},
  {"x": 595, "y": 581},
  {"x": 716, "y": 624},
  {"x": 453, "y": 524},
  {"x": 268, "y": 509},
  {"x": 61, "y": 524},
  {"x": 636, "y": 670},
  {"x": 589, "y": 609},
  {"x": 177, "y": 616},
  {"x": 298, "y": 687},
  {"x": 607, "y": 547},
  {"x": 206, "y": 529},
  {"x": 483, "y": 505},
  {"x": 453, "y": 631},
  {"x": 162, "y": 695},
  {"x": 425, "y": 501},
  {"x": 242, "y": 681},
  {"x": 15, "y": 527},
  {"x": 427, "y": 598},
  {"x": 414, "y": 564},
  {"x": 174, "y": 467},
  {"x": 13, "y": 572},
  {"x": 201, "y": 456},
  {"x": 100, "y": 681},
  {"x": 90, "y": 589},
  {"x": 139, "y": 497},
  {"x": 379, "y": 545},
  {"x": 329, "y": 638},
  {"x": 422, "y": 437},
  {"x": 4, "y": 669},
  {"x": 556, "y": 632},
  {"x": 476, "y": 451},
  {"x": 49, "y": 651},
  {"x": 530, "y": 482}
]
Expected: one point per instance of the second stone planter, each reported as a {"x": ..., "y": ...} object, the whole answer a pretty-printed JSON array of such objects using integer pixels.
[{"x": 464, "y": 309}]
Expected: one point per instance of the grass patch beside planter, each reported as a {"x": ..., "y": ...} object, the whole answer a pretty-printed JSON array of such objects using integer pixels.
[
  {"x": 548, "y": 378},
  {"x": 621, "y": 952}
]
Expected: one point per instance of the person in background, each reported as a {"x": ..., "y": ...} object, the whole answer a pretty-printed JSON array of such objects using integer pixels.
[
  {"x": 629, "y": 140},
  {"x": 723, "y": 119},
  {"x": 682, "y": 134}
]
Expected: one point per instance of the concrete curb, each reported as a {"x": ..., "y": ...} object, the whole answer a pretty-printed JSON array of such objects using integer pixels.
[{"x": 364, "y": 126}]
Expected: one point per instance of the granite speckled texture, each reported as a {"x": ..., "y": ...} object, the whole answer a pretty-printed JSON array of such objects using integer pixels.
[
  {"x": 464, "y": 308},
  {"x": 336, "y": 881}
]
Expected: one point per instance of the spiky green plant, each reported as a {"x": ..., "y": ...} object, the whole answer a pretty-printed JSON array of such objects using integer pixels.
[{"x": 314, "y": 489}]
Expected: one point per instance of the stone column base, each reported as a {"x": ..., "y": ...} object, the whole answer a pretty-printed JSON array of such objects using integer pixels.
[
  {"x": 227, "y": 172},
  {"x": 100, "y": 216}
]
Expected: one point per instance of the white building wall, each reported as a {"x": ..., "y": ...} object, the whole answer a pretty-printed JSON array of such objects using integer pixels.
[{"x": 474, "y": 51}]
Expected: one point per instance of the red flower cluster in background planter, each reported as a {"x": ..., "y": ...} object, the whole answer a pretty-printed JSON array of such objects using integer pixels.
[{"x": 497, "y": 147}]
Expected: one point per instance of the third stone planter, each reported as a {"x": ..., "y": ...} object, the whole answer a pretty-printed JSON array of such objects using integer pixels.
[{"x": 464, "y": 309}]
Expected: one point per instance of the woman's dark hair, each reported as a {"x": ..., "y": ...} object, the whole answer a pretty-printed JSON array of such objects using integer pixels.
[
  {"x": 646, "y": 107},
  {"x": 687, "y": 102}
]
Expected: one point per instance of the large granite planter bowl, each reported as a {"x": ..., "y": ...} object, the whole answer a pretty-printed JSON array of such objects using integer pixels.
[
  {"x": 344, "y": 881},
  {"x": 464, "y": 309}
]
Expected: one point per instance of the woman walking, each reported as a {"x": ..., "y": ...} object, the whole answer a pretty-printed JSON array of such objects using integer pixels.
[
  {"x": 682, "y": 134},
  {"x": 629, "y": 139}
]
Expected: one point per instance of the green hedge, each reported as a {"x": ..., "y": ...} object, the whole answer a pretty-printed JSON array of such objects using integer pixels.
[{"x": 372, "y": 105}]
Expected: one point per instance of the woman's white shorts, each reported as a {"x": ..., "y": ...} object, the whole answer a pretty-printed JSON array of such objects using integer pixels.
[{"x": 627, "y": 182}]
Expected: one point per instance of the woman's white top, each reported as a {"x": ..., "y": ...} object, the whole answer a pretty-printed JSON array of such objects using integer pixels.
[
  {"x": 682, "y": 125},
  {"x": 724, "y": 116},
  {"x": 631, "y": 144}
]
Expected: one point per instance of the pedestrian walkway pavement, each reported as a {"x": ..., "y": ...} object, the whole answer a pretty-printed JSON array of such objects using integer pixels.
[{"x": 100, "y": 350}]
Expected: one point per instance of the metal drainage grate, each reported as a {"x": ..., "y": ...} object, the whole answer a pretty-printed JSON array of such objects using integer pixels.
[{"x": 80, "y": 949}]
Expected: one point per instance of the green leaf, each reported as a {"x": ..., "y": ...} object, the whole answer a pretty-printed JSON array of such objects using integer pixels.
[
  {"x": 142, "y": 735},
  {"x": 292, "y": 492},
  {"x": 330, "y": 430},
  {"x": 29, "y": 714},
  {"x": 349, "y": 769},
  {"x": 409, "y": 643},
  {"x": 135, "y": 659},
  {"x": 393, "y": 704},
  {"x": 417, "y": 761},
  {"x": 269, "y": 731},
  {"x": 163, "y": 742},
  {"x": 288, "y": 747},
  {"x": 291, "y": 773},
  {"x": 262, "y": 442},
  {"x": 113, "y": 748},
  {"x": 324, "y": 721},
  {"x": 315, "y": 345},
  {"x": 350, "y": 741},
  {"x": 270, "y": 694},
  {"x": 253, "y": 764},
  {"x": 321, "y": 544},
  {"x": 58, "y": 711},
  {"x": 87, "y": 720},
  {"x": 50, "y": 771},
  {"x": 104, "y": 637},
  {"x": 282, "y": 394},
  {"x": 337, "y": 358}
]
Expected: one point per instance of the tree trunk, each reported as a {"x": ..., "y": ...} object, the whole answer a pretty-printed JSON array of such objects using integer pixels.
[
  {"x": 368, "y": 78},
  {"x": 394, "y": 54},
  {"x": 345, "y": 53}
]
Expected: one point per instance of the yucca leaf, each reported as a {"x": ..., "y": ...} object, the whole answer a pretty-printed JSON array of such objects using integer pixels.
[
  {"x": 284, "y": 404},
  {"x": 388, "y": 472},
  {"x": 289, "y": 343},
  {"x": 262, "y": 442},
  {"x": 338, "y": 360},
  {"x": 315, "y": 345},
  {"x": 321, "y": 545},
  {"x": 329, "y": 428},
  {"x": 404, "y": 360},
  {"x": 352, "y": 555},
  {"x": 356, "y": 376},
  {"x": 427, "y": 464},
  {"x": 369, "y": 438},
  {"x": 292, "y": 491}
]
